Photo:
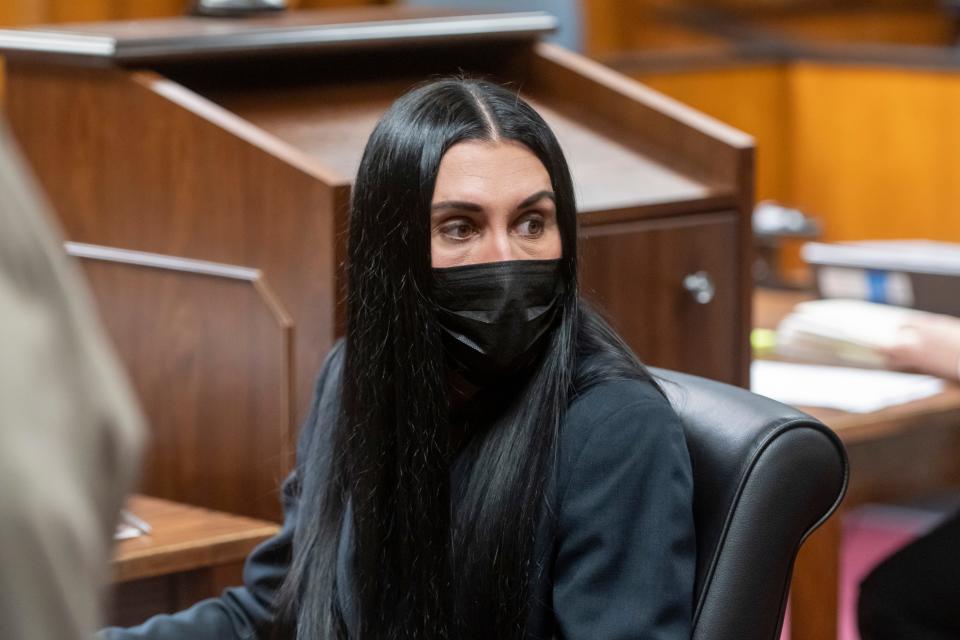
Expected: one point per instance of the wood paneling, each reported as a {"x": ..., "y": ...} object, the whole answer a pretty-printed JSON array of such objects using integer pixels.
[
  {"x": 210, "y": 357},
  {"x": 613, "y": 26},
  {"x": 898, "y": 25},
  {"x": 814, "y": 589},
  {"x": 132, "y": 603},
  {"x": 875, "y": 150},
  {"x": 869, "y": 150},
  {"x": 174, "y": 174},
  {"x": 17, "y": 12},
  {"x": 754, "y": 98}
]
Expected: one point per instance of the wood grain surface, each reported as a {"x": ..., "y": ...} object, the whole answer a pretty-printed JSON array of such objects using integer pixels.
[
  {"x": 190, "y": 554},
  {"x": 136, "y": 162},
  {"x": 892, "y": 170},
  {"x": 211, "y": 359},
  {"x": 659, "y": 318},
  {"x": 184, "y": 538}
]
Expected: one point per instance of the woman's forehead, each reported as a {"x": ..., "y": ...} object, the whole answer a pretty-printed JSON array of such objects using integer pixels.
[{"x": 481, "y": 171}]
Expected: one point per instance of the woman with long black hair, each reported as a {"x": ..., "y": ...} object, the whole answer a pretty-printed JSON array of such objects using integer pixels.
[{"x": 484, "y": 457}]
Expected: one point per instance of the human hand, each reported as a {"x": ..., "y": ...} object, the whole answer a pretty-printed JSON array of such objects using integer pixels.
[{"x": 929, "y": 344}]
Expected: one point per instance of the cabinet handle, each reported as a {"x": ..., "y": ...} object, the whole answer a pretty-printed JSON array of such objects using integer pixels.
[{"x": 700, "y": 285}]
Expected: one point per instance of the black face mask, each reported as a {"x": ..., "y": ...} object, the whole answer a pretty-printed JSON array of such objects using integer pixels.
[{"x": 496, "y": 316}]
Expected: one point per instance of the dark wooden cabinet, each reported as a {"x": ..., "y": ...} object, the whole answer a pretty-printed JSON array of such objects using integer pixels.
[{"x": 670, "y": 286}]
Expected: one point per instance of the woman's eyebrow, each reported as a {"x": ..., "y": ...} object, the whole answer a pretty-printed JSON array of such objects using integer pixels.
[
  {"x": 463, "y": 205},
  {"x": 539, "y": 195},
  {"x": 456, "y": 204}
]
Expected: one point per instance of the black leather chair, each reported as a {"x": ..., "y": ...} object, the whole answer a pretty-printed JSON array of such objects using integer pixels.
[{"x": 765, "y": 476}]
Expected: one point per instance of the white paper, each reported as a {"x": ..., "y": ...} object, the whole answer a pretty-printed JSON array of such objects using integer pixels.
[
  {"x": 126, "y": 532},
  {"x": 844, "y": 388}
]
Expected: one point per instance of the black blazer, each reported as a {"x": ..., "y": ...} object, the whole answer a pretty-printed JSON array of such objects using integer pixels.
[{"x": 618, "y": 558}]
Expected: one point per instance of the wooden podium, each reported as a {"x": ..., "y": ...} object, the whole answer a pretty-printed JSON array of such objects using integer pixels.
[{"x": 203, "y": 167}]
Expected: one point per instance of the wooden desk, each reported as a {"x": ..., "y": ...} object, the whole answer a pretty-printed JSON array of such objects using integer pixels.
[
  {"x": 899, "y": 453},
  {"x": 191, "y": 554}
]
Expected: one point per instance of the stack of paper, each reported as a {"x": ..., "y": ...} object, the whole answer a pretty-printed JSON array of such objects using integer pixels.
[
  {"x": 842, "y": 332},
  {"x": 844, "y": 388}
]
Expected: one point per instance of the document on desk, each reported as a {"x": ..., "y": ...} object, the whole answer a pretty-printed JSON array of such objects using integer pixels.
[
  {"x": 844, "y": 388},
  {"x": 842, "y": 332}
]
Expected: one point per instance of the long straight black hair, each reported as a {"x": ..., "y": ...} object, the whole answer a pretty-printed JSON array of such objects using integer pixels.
[{"x": 426, "y": 567}]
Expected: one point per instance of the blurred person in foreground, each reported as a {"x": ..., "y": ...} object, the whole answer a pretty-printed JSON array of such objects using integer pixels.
[
  {"x": 70, "y": 433},
  {"x": 915, "y": 593}
]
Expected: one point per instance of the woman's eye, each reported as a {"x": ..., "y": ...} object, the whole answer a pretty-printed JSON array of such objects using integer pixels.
[
  {"x": 531, "y": 226},
  {"x": 457, "y": 230}
]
